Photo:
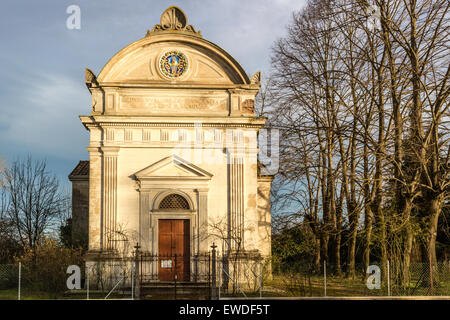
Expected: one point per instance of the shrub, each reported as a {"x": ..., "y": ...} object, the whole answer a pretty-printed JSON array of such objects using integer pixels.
[{"x": 44, "y": 268}]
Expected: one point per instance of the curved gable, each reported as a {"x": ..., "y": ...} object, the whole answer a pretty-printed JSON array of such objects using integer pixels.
[
  {"x": 172, "y": 69},
  {"x": 139, "y": 62}
]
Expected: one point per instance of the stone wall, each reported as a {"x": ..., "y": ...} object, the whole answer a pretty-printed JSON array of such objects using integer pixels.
[{"x": 80, "y": 203}]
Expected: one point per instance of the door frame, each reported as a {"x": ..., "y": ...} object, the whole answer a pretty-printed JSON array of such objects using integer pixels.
[{"x": 156, "y": 216}]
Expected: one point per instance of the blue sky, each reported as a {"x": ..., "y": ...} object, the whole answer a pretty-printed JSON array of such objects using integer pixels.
[{"x": 42, "y": 62}]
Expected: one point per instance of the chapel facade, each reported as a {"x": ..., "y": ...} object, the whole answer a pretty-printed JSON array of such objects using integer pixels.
[{"x": 173, "y": 148}]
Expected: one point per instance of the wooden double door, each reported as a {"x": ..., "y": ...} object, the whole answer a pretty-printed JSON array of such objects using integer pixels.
[{"x": 174, "y": 250}]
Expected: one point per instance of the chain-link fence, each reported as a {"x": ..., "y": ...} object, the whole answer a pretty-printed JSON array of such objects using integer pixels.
[
  {"x": 98, "y": 280},
  {"x": 9, "y": 281},
  {"x": 243, "y": 277},
  {"x": 422, "y": 279},
  {"x": 103, "y": 276},
  {"x": 377, "y": 280}
]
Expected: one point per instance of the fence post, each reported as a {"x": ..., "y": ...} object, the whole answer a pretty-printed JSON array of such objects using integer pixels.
[
  {"x": 220, "y": 279},
  {"x": 388, "y": 279},
  {"x": 20, "y": 276},
  {"x": 431, "y": 275},
  {"x": 136, "y": 268},
  {"x": 132, "y": 283},
  {"x": 260, "y": 279},
  {"x": 325, "y": 277},
  {"x": 87, "y": 281},
  {"x": 213, "y": 276}
]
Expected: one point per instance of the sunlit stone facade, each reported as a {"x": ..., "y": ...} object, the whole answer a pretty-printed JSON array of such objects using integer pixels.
[{"x": 173, "y": 136}]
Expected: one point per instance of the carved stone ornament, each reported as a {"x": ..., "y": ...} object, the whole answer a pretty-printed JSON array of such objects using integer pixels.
[
  {"x": 137, "y": 184},
  {"x": 256, "y": 78},
  {"x": 173, "y": 19},
  {"x": 90, "y": 78},
  {"x": 248, "y": 106}
]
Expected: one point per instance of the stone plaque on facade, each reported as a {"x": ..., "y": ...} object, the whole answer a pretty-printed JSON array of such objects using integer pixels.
[{"x": 173, "y": 103}]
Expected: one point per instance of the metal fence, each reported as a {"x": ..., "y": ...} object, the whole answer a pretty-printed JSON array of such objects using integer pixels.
[
  {"x": 195, "y": 268},
  {"x": 98, "y": 280},
  {"x": 422, "y": 279},
  {"x": 113, "y": 276},
  {"x": 221, "y": 277},
  {"x": 9, "y": 280},
  {"x": 241, "y": 275},
  {"x": 377, "y": 280}
]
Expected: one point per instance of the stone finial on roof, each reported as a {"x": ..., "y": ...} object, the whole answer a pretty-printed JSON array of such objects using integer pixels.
[
  {"x": 90, "y": 78},
  {"x": 256, "y": 78},
  {"x": 173, "y": 19}
]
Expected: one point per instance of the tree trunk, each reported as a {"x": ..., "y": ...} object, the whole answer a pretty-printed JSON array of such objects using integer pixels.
[
  {"x": 337, "y": 248},
  {"x": 317, "y": 254},
  {"x": 408, "y": 241},
  {"x": 435, "y": 211}
]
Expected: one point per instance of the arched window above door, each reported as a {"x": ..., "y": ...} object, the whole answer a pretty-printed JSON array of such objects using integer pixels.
[{"x": 174, "y": 202}]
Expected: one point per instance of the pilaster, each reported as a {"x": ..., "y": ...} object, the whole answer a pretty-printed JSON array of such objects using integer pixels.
[
  {"x": 95, "y": 200},
  {"x": 110, "y": 197},
  {"x": 202, "y": 219},
  {"x": 236, "y": 201}
]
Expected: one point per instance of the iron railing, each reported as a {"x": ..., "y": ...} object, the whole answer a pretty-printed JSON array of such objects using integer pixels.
[{"x": 179, "y": 268}]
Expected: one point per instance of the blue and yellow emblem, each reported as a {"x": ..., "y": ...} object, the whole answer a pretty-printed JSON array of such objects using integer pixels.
[{"x": 173, "y": 64}]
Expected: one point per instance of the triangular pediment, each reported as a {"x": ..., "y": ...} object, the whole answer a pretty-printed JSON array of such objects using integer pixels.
[{"x": 172, "y": 167}]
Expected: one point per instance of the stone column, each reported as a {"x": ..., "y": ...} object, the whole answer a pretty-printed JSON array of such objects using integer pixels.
[
  {"x": 95, "y": 199},
  {"x": 109, "y": 197}
]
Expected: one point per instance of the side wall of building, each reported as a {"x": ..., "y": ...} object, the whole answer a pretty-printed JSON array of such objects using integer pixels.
[{"x": 80, "y": 211}]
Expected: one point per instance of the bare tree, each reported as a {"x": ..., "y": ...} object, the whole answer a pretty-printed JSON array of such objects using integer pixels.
[
  {"x": 3, "y": 198},
  {"x": 34, "y": 200},
  {"x": 363, "y": 113},
  {"x": 238, "y": 266}
]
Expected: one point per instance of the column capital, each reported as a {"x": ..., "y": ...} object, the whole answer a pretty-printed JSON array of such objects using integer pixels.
[
  {"x": 93, "y": 150},
  {"x": 110, "y": 151}
]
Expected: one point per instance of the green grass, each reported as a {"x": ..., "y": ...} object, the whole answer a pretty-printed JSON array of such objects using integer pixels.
[
  {"x": 299, "y": 286},
  {"x": 282, "y": 285},
  {"x": 278, "y": 286},
  {"x": 11, "y": 294}
]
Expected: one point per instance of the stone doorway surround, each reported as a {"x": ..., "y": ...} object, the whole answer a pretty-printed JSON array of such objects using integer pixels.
[{"x": 173, "y": 175}]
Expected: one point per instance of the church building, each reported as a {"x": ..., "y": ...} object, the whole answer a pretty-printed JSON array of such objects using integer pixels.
[{"x": 173, "y": 151}]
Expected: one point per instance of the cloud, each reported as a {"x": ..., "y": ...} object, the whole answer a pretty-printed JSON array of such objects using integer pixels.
[
  {"x": 43, "y": 116},
  {"x": 43, "y": 62},
  {"x": 246, "y": 29}
]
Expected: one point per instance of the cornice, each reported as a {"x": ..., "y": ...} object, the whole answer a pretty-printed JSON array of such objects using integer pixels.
[
  {"x": 183, "y": 122},
  {"x": 153, "y": 84},
  {"x": 177, "y": 125}
]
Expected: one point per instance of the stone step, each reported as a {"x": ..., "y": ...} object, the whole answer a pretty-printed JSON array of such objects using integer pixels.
[
  {"x": 172, "y": 284},
  {"x": 184, "y": 290}
]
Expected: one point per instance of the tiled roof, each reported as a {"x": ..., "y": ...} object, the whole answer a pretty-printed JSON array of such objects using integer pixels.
[{"x": 82, "y": 169}]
